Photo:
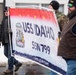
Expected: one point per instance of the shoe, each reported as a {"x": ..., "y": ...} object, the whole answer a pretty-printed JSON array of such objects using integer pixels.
[
  {"x": 17, "y": 66},
  {"x": 8, "y": 71}
]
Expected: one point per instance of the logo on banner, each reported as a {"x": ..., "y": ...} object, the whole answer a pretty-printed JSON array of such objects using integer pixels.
[{"x": 19, "y": 35}]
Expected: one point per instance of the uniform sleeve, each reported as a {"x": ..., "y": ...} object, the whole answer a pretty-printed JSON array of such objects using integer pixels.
[
  {"x": 74, "y": 29},
  {"x": 62, "y": 20}
]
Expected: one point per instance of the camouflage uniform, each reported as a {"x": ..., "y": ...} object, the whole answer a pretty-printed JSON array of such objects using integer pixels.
[{"x": 62, "y": 19}]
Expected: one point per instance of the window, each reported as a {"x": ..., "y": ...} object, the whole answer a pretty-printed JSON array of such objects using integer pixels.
[
  {"x": 61, "y": 8},
  {"x": 25, "y": 4},
  {"x": 45, "y": 5}
]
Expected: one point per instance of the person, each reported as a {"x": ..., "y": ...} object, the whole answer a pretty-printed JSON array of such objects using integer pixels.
[
  {"x": 67, "y": 44},
  {"x": 5, "y": 31},
  {"x": 61, "y": 18}
]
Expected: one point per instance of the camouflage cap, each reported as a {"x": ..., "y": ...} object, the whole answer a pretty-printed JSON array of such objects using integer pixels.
[{"x": 72, "y": 2}]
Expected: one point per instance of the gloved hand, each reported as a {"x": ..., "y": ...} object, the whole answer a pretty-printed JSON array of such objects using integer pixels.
[{"x": 9, "y": 30}]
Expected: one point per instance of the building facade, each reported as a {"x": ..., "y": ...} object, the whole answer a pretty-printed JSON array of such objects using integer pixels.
[{"x": 40, "y": 3}]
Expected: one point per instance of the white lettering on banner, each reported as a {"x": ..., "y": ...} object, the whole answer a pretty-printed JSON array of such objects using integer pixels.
[
  {"x": 45, "y": 31},
  {"x": 41, "y": 47},
  {"x": 41, "y": 61}
]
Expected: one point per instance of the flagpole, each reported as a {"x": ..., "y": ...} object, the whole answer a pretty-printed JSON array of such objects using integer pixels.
[
  {"x": 10, "y": 38},
  {"x": 4, "y": 5},
  {"x": 9, "y": 27}
]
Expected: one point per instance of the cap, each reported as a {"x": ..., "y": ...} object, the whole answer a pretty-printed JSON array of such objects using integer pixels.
[
  {"x": 72, "y": 3},
  {"x": 54, "y": 4}
]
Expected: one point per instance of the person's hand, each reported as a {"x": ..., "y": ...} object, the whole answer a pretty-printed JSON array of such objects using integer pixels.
[{"x": 9, "y": 30}]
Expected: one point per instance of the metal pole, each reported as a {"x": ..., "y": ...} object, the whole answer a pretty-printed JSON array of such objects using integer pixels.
[
  {"x": 9, "y": 27},
  {"x": 4, "y": 5},
  {"x": 10, "y": 38}
]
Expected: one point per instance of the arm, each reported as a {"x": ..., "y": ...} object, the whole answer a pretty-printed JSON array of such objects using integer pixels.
[{"x": 74, "y": 29}]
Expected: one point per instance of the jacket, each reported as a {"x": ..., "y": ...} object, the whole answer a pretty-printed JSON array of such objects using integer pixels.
[
  {"x": 67, "y": 45},
  {"x": 62, "y": 19},
  {"x": 4, "y": 31}
]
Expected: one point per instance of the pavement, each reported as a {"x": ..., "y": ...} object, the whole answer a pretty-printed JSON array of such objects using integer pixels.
[{"x": 27, "y": 67}]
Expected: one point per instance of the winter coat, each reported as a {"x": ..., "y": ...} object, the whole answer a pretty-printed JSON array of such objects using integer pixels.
[
  {"x": 62, "y": 19},
  {"x": 4, "y": 31},
  {"x": 67, "y": 45}
]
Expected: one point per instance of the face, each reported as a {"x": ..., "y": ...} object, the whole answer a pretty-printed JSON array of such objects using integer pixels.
[
  {"x": 50, "y": 7},
  {"x": 6, "y": 13},
  {"x": 70, "y": 7}
]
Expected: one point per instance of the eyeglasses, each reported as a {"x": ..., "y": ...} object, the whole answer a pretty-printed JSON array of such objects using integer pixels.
[{"x": 70, "y": 5}]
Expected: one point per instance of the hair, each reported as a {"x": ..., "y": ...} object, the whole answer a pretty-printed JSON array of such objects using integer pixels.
[{"x": 5, "y": 9}]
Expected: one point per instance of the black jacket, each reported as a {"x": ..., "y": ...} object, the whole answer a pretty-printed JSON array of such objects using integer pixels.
[{"x": 4, "y": 31}]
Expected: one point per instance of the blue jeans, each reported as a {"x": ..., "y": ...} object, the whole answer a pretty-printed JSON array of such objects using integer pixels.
[
  {"x": 71, "y": 67},
  {"x": 53, "y": 73},
  {"x": 11, "y": 60}
]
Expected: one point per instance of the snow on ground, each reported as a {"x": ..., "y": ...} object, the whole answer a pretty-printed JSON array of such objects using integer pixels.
[{"x": 3, "y": 59}]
